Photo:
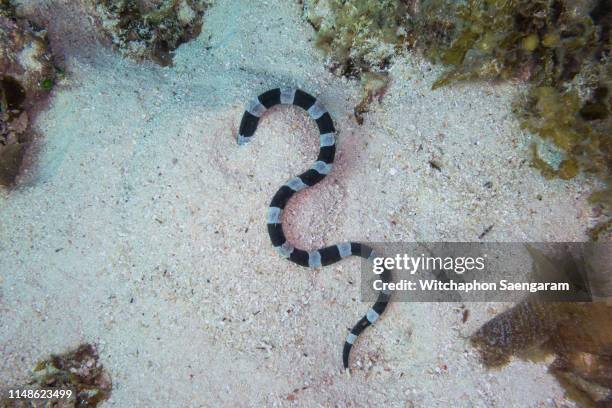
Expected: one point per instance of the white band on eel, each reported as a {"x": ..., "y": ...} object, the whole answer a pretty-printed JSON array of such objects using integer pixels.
[
  {"x": 327, "y": 139},
  {"x": 372, "y": 316},
  {"x": 296, "y": 184},
  {"x": 274, "y": 215},
  {"x": 287, "y": 95},
  {"x": 317, "y": 110},
  {"x": 314, "y": 259},
  {"x": 256, "y": 108}
]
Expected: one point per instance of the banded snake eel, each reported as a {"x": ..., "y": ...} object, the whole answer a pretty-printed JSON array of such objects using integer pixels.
[{"x": 317, "y": 172}]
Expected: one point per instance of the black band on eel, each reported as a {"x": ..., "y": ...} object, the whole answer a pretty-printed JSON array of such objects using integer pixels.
[{"x": 317, "y": 172}]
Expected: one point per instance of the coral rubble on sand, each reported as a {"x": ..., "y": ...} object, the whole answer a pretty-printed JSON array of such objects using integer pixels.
[
  {"x": 149, "y": 29},
  {"x": 77, "y": 370},
  {"x": 25, "y": 68},
  {"x": 562, "y": 48}
]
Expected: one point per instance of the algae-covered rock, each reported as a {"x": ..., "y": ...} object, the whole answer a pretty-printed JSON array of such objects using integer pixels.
[
  {"x": 546, "y": 41},
  {"x": 149, "y": 29},
  {"x": 25, "y": 65},
  {"x": 358, "y": 35},
  {"x": 78, "y": 371}
]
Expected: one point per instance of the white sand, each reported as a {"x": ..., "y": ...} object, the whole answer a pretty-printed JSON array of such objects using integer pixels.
[{"x": 141, "y": 226}]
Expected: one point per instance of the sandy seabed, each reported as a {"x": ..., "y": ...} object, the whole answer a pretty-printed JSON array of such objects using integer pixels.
[{"x": 140, "y": 226}]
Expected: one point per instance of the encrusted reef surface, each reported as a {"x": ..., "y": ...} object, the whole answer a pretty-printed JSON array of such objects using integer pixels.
[
  {"x": 562, "y": 49},
  {"x": 26, "y": 75},
  {"x": 149, "y": 29},
  {"x": 358, "y": 36}
]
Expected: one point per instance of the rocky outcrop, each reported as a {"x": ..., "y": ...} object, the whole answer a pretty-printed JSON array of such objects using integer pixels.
[
  {"x": 148, "y": 29},
  {"x": 26, "y": 75}
]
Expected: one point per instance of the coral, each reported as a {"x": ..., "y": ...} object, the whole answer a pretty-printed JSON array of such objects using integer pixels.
[
  {"x": 6, "y": 9},
  {"x": 25, "y": 66},
  {"x": 77, "y": 370},
  {"x": 526, "y": 325},
  {"x": 546, "y": 41},
  {"x": 430, "y": 26},
  {"x": 149, "y": 29},
  {"x": 578, "y": 334},
  {"x": 358, "y": 35}
]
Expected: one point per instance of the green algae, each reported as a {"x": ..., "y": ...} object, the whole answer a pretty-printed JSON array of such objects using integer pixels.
[
  {"x": 544, "y": 41},
  {"x": 47, "y": 84}
]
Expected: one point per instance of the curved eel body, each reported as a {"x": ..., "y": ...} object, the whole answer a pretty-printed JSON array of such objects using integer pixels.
[{"x": 317, "y": 172}]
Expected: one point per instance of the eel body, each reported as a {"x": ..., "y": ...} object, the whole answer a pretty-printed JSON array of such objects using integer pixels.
[{"x": 317, "y": 172}]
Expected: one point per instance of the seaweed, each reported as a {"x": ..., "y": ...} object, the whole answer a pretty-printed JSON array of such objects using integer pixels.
[
  {"x": 47, "y": 84},
  {"x": 77, "y": 370}
]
